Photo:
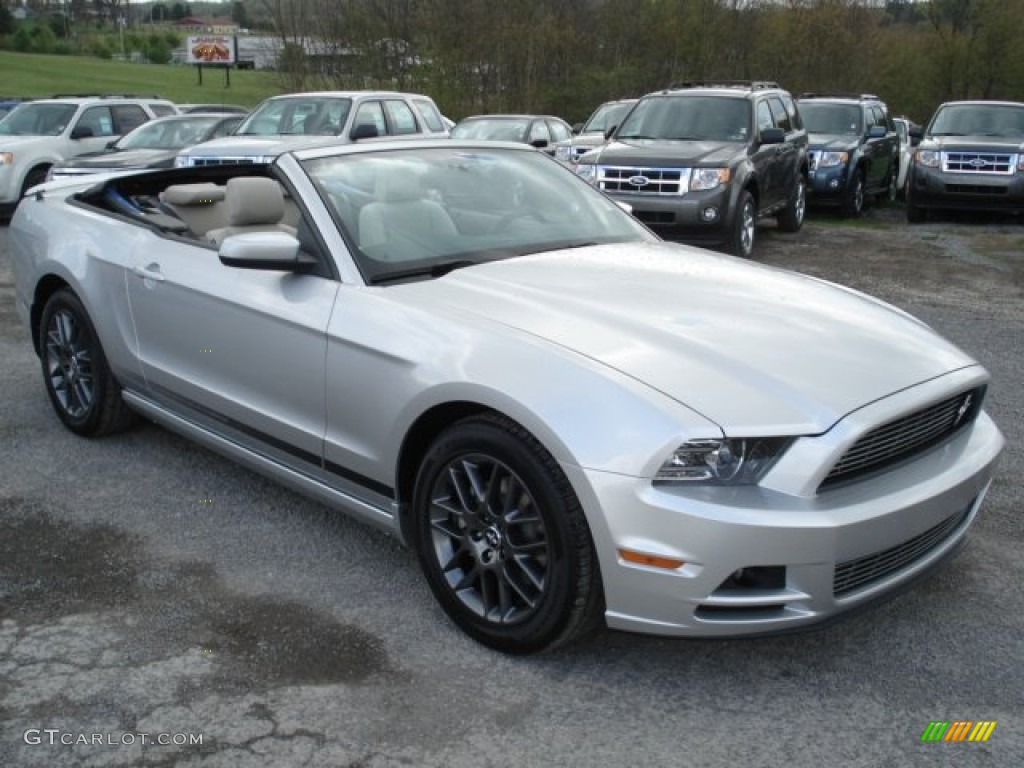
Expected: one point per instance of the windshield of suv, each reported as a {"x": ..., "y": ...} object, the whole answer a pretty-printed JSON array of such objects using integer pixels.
[
  {"x": 172, "y": 133},
  {"x": 820, "y": 117},
  {"x": 38, "y": 120},
  {"x": 606, "y": 116},
  {"x": 492, "y": 129},
  {"x": 687, "y": 118},
  {"x": 316, "y": 115},
  {"x": 977, "y": 120},
  {"x": 417, "y": 214}
]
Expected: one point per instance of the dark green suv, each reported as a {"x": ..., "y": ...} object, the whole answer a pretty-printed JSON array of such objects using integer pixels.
[
  {"x": 702, "y": 162},
  {"x": 854, "y": 150}
]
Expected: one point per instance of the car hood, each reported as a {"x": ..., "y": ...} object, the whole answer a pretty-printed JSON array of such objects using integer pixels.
[
  {"x": 130, "y": 158},
  {"x": 256, "y": 146},
  {"x": 757, "y": 350},
  {"x": 671, "y": 154},
  {"x": 986, "y": 143},
  {"x": 13, "y": 143},
  {"x": 831, "y": 142}
]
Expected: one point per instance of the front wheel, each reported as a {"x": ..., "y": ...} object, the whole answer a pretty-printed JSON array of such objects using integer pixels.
[
  {"x": 502, "y": 540},
  {"x": 81, "y": 387},
  {"x": 744, "y": 226},
  {"x": 853, "y": 201},
  {"x": 792, "y": 216}
]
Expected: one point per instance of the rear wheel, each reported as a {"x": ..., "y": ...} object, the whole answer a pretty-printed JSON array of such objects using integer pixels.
[
  {"x": 744, "y": 226},
  {"x": 792, "y": 216},
  {"x": 915, "y": 213},
  {"x": 34, "y": 177},
  {"x": 502, "y": 540},
  {"x": 853, "y": 200},
  {"x": 81, "y": 387}
]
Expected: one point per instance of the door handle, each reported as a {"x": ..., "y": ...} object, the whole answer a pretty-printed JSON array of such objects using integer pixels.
[{"x": 149, "y": 272}]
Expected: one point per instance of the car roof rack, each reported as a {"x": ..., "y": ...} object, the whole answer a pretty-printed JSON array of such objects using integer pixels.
[
  {"x": 754, "y": 85},
  {"x": 105, "y": 96},
  {"x": 839, "y": 95}
]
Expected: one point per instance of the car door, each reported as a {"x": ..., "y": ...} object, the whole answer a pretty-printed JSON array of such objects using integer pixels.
[
  {"x": 876, "y": 148},
  {"x": 241, "y": 350},
  {"x": 92, "y": 130},
  {"x": 765, "y": 156},
  {"x": 787, "y": 158}
]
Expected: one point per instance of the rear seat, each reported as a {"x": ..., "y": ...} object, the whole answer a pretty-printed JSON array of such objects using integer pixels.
[{"x": 201, "y": 206}]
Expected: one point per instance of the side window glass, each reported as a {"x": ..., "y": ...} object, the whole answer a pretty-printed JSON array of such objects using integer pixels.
[
  {"x": 403, "y": 122},
  {"x": 128, "y": 117},
  {"x": 371, "y": 113},
  {"x": 780, "y": 115},
  {"x": 794, "y": 114},
  {"x": 558, "y": 131},
  {"x": 98, "y": 120},
  {"x": 764, "y": 116},
  {"x": 871, "y": 118},
  {"x": 429, "y": 114},
  {"x": 162, "y": 110},
  {"x": 539, "y": 131}
]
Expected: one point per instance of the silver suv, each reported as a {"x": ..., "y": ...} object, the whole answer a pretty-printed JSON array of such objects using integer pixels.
[
  {"x": 302, "y": 120},
  {"x": 42, "y": 132}
]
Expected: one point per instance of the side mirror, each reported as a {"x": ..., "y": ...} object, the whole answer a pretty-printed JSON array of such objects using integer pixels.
[
  {"x": 539, "y": 143},
  {"x": 876, "y": 132},
  {"x": 112, "y": 144},
  {"x": 82, "y": 132},
  {"x": 773, "y": 136},
  {"x": 916, "y": 134},
  {"x": 364, "y": 131},
  {"x": 274, "y": 251},
  {"x": 577, "y": 127}
]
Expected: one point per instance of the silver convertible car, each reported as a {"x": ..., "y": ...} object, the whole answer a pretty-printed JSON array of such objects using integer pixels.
[{"x": 568, "y": 420}]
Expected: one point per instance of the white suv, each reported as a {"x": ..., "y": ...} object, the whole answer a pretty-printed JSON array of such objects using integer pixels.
[
  {"x": 39, "y": 133},
  {"x": 300, "y": 120}
]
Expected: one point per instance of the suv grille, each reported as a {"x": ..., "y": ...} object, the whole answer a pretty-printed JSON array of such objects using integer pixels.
[
  {"x": 854, "y": 574},
  {"x": 906, "y": 436},
  {"x": 644, "y": 181},
  {"x": 979, "y": 162},
  {"x": 197, "y": 161}
]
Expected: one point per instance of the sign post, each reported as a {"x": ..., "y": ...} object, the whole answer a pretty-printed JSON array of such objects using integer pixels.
[{"x": 212, "y": 49}]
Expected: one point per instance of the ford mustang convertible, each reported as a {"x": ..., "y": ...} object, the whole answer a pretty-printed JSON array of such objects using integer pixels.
[{"x": 568, "y": 420}]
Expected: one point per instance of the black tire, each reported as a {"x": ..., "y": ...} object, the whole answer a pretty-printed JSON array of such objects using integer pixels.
[
  {"x": 502, "y": 540},
  {"x": 890, "y": 193},
  {"x": 853, "y": 198},
  {"x": 35, "y": 176},
  {"x": 791, "y": 217},
  {"x": 744, "y": 226},
  {"x": 78, "y": 380},
  {"x": 915, "y": 213}
]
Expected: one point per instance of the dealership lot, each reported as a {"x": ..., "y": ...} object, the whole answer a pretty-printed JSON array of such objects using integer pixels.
[{"x": 150, "y": 587}]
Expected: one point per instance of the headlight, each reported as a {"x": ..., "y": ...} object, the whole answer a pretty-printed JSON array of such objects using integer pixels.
[
  {"x": 181, "y": 161},
  {"x": 928, "y": 158},
  {"x": 708, "y": 178},
  {"x": 587, "y": 172},
  {"x": 832, "y": 159},
  {"x": 561, "y": 153},
  {"x": 6, "y": 158},
  {"x": 741, "y": 461}
]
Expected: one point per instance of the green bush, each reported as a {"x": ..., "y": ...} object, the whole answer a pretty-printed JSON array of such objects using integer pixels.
[{"x": 158, "y": 52}]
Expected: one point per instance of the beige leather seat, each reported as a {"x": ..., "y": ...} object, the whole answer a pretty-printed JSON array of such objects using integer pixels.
[
  {"x": 402, "y": 215},
  {"x": 254, "y": 204},
  {"x": 200, "y": 206}
]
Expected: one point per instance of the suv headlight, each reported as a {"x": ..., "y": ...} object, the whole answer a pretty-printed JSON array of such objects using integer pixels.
[
  {"x": 587, "y": 172},
  {"x": 6, "y": 158},
  {"x": 832, "y": 159},
  {"x": 928, "y": 158},
  {"x": 561, "y": 153},
  {"x": 740, "y": 461},
  {"x": 708, "y": 178}
]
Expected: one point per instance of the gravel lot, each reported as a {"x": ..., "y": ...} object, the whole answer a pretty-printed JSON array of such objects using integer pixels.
[{"x": 150, "y": 587}]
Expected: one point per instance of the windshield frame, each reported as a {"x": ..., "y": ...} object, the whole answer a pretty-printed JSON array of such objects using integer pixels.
[
  {"x": 293, "y": 114},
  {"x": 973, "y": 118},
  {"x": 704, "y": 124},
  {"x": 832, "y": 109},
  {"x": 58, "y": 114}
]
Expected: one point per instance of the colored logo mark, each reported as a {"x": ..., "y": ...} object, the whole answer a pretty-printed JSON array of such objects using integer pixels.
[{"x": 958, "y": 730}]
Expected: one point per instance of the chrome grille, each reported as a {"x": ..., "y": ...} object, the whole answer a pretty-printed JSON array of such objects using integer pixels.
[
  {"x": 644, "y": 181},
  {"x": 198, "y": 161},
  {"x": 906, "y": 436},
  {"x": 979, "y": 162},
  {"x": 854, "y": 574}
]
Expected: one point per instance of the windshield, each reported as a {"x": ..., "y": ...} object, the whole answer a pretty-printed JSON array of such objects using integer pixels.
[
  {"x": 504, "y": 129},
  {"x": 977, "y": 120},
  {"x": 174, "y": 133},
  {"x": 312, "y": 115},
  {"x": 37, "y": 120},
  {"x": 606, "y": 116},
  {"x": 842, "y": 119},
  {"x": 688, "y": 118},
  {"x": 415, "y": 214}
]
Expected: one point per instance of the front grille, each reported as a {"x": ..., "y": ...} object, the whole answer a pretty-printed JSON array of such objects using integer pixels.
[
  {"x": 974, "y": 189},
  {"x": 854, "y": 574},
  {"x": 979, "y": 162},
  {"x": 655, "y": 217},
  {"x": 906, "y": 436},
  {"x": 644, "y": 181}
]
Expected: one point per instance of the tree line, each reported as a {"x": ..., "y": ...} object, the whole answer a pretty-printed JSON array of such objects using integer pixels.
[{"x": 565, "y": 56}]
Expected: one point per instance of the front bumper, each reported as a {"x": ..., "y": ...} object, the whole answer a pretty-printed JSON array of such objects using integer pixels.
[
  {"x": 682, "y": 216},
  {"x": 832, "y": 551},
  {"x": 935, "y": 188},
  {"x": 10, "y": 190},
  {"x": 827, "y": 186}
]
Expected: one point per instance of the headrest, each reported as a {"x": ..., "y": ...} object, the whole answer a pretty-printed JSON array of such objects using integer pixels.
[
  {"x": 204, "y": 193},
  {"x": 393, "y": 187},
  {"x": 254, "y": 200}
]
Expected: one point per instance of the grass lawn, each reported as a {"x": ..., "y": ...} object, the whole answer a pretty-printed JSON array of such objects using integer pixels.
[{"x": 29, "y": 74}]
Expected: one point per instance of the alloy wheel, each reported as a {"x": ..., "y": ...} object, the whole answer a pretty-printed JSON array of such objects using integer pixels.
[{"x": 69, "y": 363}]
